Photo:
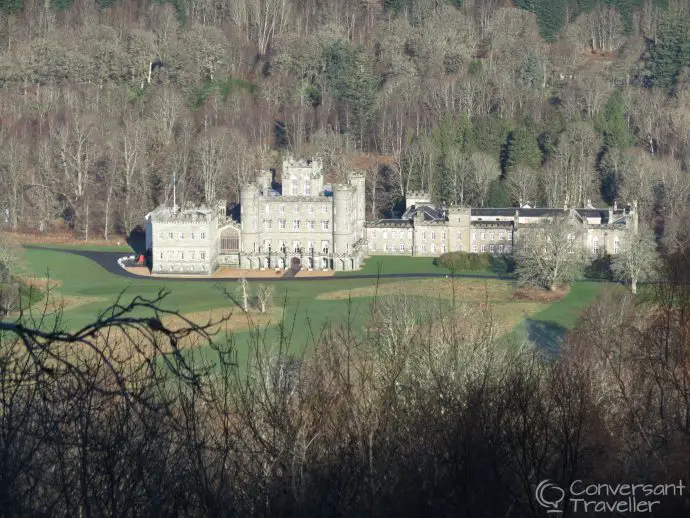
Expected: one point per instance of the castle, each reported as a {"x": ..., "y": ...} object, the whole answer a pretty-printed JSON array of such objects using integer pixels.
[{"x": 315, "y": 226}]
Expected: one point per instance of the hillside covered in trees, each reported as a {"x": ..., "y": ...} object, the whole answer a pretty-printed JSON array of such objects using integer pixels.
[{"x": 499, "y": 103}]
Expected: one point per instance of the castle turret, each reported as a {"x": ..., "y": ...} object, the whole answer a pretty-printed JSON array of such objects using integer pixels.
[
  {"x": 343, "y": 203},
  {"x": 358, "y": 181},
  {"x": 417, "y": 198},
  {"x": 249, "y": 211},
  {"x": 264, "y": 179}
]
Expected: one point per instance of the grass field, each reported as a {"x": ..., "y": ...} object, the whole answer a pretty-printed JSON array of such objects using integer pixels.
[
  {"x": 305, "y": 307},
  {"x": 393, "y": 264}
]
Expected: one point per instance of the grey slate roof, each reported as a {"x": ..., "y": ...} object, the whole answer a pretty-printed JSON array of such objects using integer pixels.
[{"x": 430, "y": 213}]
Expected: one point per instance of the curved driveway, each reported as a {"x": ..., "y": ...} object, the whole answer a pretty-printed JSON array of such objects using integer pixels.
[{"x": 108, "y": 261}]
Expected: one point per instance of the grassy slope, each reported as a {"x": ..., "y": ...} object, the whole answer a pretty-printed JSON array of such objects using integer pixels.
[
  {"x": 404, "y": 264},
  {"x": 304, "y": 313}
]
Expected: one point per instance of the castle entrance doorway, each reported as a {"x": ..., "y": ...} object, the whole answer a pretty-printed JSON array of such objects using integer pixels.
[{"x": 295, "y": 264}]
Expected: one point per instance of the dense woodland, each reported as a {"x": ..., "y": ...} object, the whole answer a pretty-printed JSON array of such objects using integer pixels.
[{"x": 480, "y": 102}]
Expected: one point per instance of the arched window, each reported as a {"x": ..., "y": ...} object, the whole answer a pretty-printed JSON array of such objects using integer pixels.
[{"x": 229, "y": 241}]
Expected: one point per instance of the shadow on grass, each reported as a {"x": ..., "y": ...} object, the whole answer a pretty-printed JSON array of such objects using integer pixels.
[{"x": 547, "y": 336}]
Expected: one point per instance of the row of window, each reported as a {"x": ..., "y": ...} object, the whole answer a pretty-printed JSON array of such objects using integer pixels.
[
  {"x": 296, "y": 224},
  {"x": 492, "y": 249},
  {"x": 283, "y": 247},
  {"x": 181, "y": 255},
  {"x": 181, "y": 235},
  {"x": 492, "y": 235},
  {"x": 297, "y": 208}
]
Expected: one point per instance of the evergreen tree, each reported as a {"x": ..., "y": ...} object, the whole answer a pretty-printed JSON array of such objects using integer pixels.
[
  {"x": 10, "y": 6},
  {"x": 522, "y": 147},
  {"x": 489, "y": 135},
  {"x": 613, "y": 124},
  {"x": 671, "y": 52}
]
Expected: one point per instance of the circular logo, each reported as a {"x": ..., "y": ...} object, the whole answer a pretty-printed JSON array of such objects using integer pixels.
[{"x": 550, "y": 496}]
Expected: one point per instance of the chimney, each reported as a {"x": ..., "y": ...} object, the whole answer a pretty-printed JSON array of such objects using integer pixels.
[{"x": 611, "y": 215}]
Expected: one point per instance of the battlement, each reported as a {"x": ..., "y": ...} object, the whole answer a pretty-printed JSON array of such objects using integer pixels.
[
  {"x": 313, "y": 166},
  {"x": 343, "y": 187},
  {"x": 190, "y": 215}
]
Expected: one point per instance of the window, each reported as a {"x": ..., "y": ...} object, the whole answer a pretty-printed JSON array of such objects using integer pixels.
[
  {"x": 310, "y": 224},
  {"x": 423, "y": 235},
  {"x": 402, "y": 247},
  {"x": 483, "y": 236},
  {"x": 474, "y": 236},
  {"x": 310, "y": 246},
  {"x": 501, "y": 236},
  {"x": 491, "y": 248},
  {"x": 267, "y": 224},
  {"x": 181, "y": 235},
  {"x": 616, "y": 245},
  {"x": 491, "y": 236},
  {"x": 203, "y": 236},
  {"x": 281, "y": 224},
  {"x": 324, "y": 247},
  {"x": 170, "y": 235},
  {"x": 595, "y": 245},
  {"x": 508, "y": 249},
  {"x": 324, "y": 224},
  {"x": 160, "y": 256},
  {"x": 192, "y": 236},
  {"x": 458, "y": 247},
  {"x": 500, "y": 249},
  {"x": 192, "y": 255},
  {"x": 182, "y": 256},
  {"x": 202, "y": 256},
  {"x": 310, "y": 210},
  {"x": 423, "y": 249},
  {"x": 459, "y": 220},
  {"x": 293, "y": 187},
  {"x": 443, "y": 248},
  {"x": 458, "y": 235},
  {"x": 443, "y": 235},
  {"x": 282, "y": 208},
  {"x": 433, "y": 235},
  {"x": 385, "y": 247},
  {"x": 325, "y": 208},
  {"x": 509, "y": 235},
  {"x": 483, "y": 249},
  {"x": 295, "y": 224},
  {"x": 295, "y": 246},
  {"x": 281, "y": 246},
  {"x": 307, "y": 188},
  {"x": 267, "y": 209},
  {"x": 433, "y": 248}
]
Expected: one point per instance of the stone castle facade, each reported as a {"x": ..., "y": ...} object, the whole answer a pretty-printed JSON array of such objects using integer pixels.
[{"x": 315, "y": 226}]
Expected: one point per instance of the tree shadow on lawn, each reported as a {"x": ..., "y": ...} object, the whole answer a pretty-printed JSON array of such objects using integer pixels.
[{"x": 547, "y": 336}]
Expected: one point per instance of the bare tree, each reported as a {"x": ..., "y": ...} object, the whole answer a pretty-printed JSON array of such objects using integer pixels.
[
  {"x": 243, "y": 293},
  {"x": 523, "y": 185},
  {"x": 264, "y": 296},
  {"x": 549, "y": 255},
  {"x": 638, "y": 259}
]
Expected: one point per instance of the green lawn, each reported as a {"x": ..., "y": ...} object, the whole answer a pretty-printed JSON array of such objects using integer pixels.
[
  {"x": 548, "y": 327},
  {"x": 88, "y": 288},
  {"x": 404, "y": 264},
  {"x": 124, "y": 247}
]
